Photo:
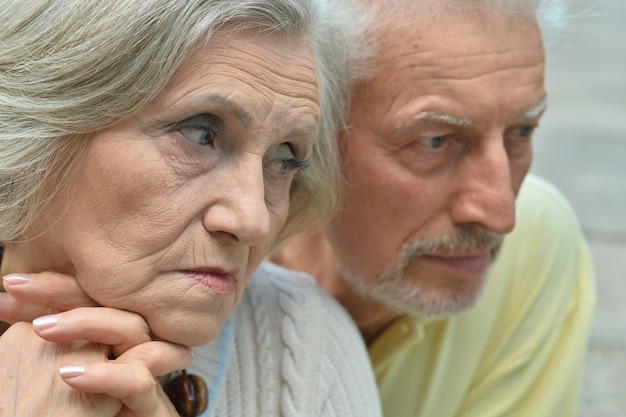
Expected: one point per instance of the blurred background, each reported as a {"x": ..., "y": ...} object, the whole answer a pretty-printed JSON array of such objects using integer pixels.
[{"x": 581, "y": 148}]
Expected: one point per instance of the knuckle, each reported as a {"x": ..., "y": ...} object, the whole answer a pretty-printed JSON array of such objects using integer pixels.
[
  {"x": 149, "y": 354},
  {"x": 140, "y": 323},
  {"x": 21, "y": 328},
  {"x": 152, "y": 351},
  {"x": 145, "y": 382},
  {"x": 9, "y": 317},
  {"x": 162, "y": 357},
  {"x": 9, "y": 312}
]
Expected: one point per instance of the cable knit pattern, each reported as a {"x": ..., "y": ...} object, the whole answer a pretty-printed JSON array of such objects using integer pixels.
[
  {"x": 265, "y": 357},
  {"x": 294, "y": 353},
  {"x": 294, "y": 376}
]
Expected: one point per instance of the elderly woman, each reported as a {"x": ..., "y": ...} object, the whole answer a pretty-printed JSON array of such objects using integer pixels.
[{"x": 156, "y": 150}]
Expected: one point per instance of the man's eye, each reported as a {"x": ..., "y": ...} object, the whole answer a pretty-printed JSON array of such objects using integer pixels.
[
  {"x": 524, "y": 131},
  {"x": 202, "y": 129},
  {"x": 433, "y": 143}
]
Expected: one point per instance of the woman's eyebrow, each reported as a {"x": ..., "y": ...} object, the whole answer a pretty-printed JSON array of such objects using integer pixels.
[
  {"x": 231, "y": 107},
  {"x": 302, "y": 131}
]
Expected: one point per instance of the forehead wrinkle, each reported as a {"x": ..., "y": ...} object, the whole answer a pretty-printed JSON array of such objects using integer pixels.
[
  {"x": 290, "y": 120},
  {"x": 459, "y": 65},
  {"x": 302, "y": 131},
  {"x": 233, "y": 108},
  {"x": 534, "y": 111},
  {"x": 437, "y": 117},
  {"x": 293, "y": 71}
]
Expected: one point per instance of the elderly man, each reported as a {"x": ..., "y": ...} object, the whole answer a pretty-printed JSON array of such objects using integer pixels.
[{"x": 459, "y": 319}]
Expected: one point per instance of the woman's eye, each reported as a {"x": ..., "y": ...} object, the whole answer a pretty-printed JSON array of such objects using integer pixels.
[
  {"x": 202, "y": 130},
  {"x": 199, "y": 135},
  {"x": 283, "y": 162},
  {"x": 285, "y": 166},
  {"x": 434, "y": 142}
]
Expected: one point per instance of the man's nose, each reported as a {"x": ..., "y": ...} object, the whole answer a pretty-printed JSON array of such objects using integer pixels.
[{"x": 485, "y": 193}]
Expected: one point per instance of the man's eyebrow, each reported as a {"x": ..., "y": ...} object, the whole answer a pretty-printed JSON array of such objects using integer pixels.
[
  {"x": 534, "y": 111},
  {"x": 447, "y": 119},
  {"x": 436, "y": 117},
  {"x": 231, "y": 107}
]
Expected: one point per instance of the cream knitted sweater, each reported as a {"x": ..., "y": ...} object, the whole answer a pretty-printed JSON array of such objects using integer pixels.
[{"x": 288, "y": 350}]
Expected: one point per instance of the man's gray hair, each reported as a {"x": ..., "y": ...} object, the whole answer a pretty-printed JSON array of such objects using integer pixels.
[
  {"x": 551, "y": 15},
  {"x": 71, "y": 67}
]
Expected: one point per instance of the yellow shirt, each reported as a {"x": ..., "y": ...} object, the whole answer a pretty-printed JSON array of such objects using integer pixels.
[{"x": 520, "y": 351}]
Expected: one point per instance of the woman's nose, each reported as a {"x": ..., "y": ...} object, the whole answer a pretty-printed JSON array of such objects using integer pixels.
[{"x": 242, "y": 212}]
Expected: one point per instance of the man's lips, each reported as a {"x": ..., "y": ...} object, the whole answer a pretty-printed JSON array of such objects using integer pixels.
[
  {"x": 217, "y": 281},
  {"x": 467, "y": 265}
]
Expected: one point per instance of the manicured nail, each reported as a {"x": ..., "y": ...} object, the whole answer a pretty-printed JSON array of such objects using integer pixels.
[
  {"x": 45, "y": 322},
  {"x": 16, "y": 279},
  {"x": 71, "y": 371}
]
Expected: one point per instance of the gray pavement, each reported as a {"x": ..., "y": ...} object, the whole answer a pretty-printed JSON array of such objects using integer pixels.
[{"x": 581, "y": 147}]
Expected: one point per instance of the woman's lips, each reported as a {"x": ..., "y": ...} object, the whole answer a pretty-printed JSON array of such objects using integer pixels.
[{"x": 217, "y": 282}]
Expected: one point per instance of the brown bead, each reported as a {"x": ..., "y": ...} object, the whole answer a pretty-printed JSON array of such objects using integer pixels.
[{"x": 189, "y": 394}]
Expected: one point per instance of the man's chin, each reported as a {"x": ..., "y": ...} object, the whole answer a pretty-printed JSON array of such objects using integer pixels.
[
  {"x": 430, "y": 304},
  {"x": 495, "y": 252},
  {"x": 406, "y": 296}
]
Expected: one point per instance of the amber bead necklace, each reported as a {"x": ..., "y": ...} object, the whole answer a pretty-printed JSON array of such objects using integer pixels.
[{"x": 189, "y": 394}]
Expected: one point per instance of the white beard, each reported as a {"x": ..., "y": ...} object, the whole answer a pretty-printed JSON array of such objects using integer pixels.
[{"x": 396, "y": 289}]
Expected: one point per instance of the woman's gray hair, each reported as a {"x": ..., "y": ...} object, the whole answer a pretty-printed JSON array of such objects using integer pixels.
[{"x": 71, "y": 67}]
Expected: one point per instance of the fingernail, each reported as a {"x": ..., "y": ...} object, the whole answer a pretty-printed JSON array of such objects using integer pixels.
[
  {"x": 71, "y": 371},
  {"x": 45, "y": 322},
  {"x": 16, "y": 279}
]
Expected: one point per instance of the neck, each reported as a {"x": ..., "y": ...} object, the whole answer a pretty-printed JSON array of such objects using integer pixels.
[{"x": 314, "y": 255}]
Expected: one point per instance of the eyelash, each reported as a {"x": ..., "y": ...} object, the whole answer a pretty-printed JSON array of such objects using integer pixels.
[
  {"x": 295, "y": 165},
  {"x": 527, "y": 130},
  {"x": 205, "y": 123},
  {"x": 426, "y": 142},
  {"x": 283, "y": 164}
]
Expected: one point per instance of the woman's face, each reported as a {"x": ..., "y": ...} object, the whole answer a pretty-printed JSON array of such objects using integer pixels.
[{"x": 173, "y": 209}]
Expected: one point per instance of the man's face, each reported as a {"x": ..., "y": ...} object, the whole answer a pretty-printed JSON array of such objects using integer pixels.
[{"x": 437, "y": 148}]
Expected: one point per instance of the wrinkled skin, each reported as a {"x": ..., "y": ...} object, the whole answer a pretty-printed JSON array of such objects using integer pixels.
[
  {"x": 437, "y": 146},
  {"x": 166, "y": 236}
]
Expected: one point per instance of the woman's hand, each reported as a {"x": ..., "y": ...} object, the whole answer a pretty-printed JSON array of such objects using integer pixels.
[
  {"x": 30, "y": 384},
  {"x": 29, "y": 296},
  {"x": 129, "y": 377}
]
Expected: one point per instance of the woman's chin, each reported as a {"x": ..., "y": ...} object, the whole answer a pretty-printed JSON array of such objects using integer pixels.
[
  {"x": 191, "y": 336},
  {"x": 197, "y": 341}
]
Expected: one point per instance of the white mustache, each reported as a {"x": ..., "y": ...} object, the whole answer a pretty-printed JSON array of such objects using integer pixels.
[{"x": 466, "y": 238}]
